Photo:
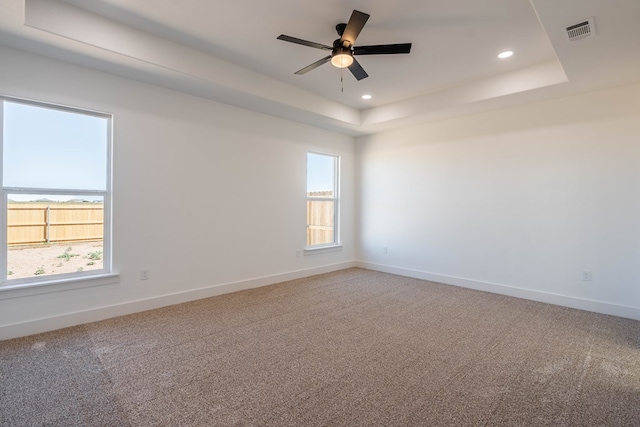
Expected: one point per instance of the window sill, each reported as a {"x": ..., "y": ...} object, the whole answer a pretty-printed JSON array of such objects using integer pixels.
[
  {"x": 19, "y": 290},
  {"x": 321, "y": 250}
]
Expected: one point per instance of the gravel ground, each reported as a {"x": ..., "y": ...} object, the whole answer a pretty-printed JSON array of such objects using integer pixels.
[{"x": 53, "y": 259}]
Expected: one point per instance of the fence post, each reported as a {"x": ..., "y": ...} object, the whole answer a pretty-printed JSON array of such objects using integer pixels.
[{"x": 48, "y": 220}]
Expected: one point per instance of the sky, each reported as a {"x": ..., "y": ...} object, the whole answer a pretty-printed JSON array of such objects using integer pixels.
[
  {"x": 320, "y": 172},
  {"x": 53, "y": 149}
]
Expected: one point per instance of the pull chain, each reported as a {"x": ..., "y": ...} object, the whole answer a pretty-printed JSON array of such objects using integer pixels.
[{"x": 341, "y": 80}]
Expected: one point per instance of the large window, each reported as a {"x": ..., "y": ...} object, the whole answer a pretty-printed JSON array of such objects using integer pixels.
[
  {"x": 322, "y": 200},
  {"x": 55, "y": 201}
]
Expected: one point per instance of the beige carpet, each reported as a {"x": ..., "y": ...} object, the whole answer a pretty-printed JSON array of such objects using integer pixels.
[{"x": 352, "y": 348}]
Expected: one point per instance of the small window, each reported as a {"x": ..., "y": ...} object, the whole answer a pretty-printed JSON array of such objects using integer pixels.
[
  {"x": 322, "y": 200},
  {"x": 55, "y": 193}
]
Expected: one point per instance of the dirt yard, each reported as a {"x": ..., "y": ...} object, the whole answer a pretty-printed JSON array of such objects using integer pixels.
[{"x": 53, "y": 259}]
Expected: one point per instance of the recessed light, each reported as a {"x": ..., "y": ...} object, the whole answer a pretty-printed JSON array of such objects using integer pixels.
[
  {"x": 366, "y": 96},
  {"x": 505, "y": 54}
]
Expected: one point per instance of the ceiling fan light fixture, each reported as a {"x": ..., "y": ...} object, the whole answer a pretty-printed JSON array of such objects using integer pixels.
[{"x": 341, "y": 57}]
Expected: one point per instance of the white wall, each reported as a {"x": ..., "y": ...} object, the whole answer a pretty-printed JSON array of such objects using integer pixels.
[
  {"x": 517, "y": 201},
  {"x": 204, "y": 195}
]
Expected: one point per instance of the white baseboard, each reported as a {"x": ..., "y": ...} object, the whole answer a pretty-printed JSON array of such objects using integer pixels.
[
  {"x": 562, "y": 300},
  {"x": 77, "y": 318}
]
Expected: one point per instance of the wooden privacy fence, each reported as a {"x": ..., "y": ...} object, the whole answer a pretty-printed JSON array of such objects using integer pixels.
[
  {"x": 33, "y": 223},
  {"x": 320, "y": 219}
]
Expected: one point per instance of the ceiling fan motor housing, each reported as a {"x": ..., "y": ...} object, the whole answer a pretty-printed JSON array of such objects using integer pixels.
[{"x": 339, "y": 47}]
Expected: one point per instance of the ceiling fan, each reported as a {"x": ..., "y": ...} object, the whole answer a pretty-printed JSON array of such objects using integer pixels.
[{"x": 343, "y": 49}]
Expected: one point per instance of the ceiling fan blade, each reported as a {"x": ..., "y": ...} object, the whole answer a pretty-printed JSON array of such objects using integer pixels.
[
  {"x": 303, "y": 42},
  {"x": 358, "y": 72},
  {"x": 382, "y": 49},
  {"x": 354, "y": 26},
  {"x": 314, "y": 65}
]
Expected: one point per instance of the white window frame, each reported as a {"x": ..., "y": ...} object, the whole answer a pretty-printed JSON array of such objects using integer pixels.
[
  {"x": 10, "y": 288},
  {"x": 336, "y": 244}
]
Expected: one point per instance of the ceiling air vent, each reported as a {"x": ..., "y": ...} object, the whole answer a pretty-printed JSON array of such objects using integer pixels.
[{"x": 581, "y": 30}]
